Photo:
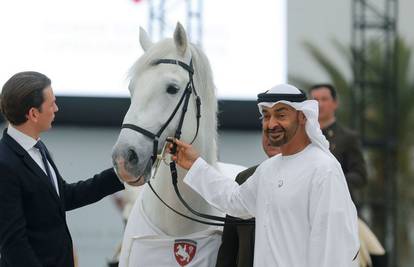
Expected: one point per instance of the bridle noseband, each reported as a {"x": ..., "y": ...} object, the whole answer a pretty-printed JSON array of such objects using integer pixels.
[{"x": 184, "y": 101}]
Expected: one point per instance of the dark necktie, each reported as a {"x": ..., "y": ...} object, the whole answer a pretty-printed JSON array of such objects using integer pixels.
[{"x": 39, "y": 145}]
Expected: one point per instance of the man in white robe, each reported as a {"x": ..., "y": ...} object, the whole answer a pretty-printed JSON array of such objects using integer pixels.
[{"x": 304, "y": 213}]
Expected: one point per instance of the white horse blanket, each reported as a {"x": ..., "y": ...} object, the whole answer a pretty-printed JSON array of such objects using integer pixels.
[{"x": 146, "y": 244}]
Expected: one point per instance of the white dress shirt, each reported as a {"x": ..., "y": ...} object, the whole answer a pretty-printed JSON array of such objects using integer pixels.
[{"x": 28, "y": 143}]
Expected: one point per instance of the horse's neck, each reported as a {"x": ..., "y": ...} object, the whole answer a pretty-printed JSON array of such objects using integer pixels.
[{"x": 162, "y": 217}]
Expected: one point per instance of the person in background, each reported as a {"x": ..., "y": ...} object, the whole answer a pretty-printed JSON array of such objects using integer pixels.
[
  {"x": 345, "y": 146},
  {"x": 343, "y": 142},
  {"x": 124, "y": 202}
]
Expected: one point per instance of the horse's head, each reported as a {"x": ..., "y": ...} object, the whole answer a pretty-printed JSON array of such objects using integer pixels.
[{"x": 156, "y": 88}]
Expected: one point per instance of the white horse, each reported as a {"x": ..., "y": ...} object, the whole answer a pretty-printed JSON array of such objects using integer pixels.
[{"x": 156, "y": 236}]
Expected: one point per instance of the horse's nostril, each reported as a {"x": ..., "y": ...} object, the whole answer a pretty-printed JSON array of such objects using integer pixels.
[{"x": 132, "y": 156}]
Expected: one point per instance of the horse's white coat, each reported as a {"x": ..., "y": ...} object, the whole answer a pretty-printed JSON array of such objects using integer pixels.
[{"x": 150, "y": 107}]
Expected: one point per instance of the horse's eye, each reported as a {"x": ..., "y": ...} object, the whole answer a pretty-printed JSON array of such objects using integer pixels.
[{"x": 172, "y": 90}]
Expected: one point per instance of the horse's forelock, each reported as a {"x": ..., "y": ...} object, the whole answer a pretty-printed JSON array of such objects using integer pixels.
[{"x": 203, "y": 73}]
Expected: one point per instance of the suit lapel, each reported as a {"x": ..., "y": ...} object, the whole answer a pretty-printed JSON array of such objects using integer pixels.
[
  {"x": 41, "y": 174},
  {"x": 31, "y": 164}
]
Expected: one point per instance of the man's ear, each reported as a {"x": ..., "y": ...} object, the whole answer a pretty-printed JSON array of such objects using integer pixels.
[
  {"x": 32, "y": 114},
  {"x": 302, "y": 118},
  {"x": 336, "y": 104}
]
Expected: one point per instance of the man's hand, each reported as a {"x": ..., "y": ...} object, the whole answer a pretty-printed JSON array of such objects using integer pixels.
[
  {"x": 125, "y": 176},
  {"x": 185, "y": 156}
]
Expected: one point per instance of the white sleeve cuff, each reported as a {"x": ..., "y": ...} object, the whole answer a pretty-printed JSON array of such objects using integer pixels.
[{"x": 198, "y": 165}]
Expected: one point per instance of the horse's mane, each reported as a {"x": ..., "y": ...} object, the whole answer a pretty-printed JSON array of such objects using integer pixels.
[{"x": 207, "y": 91}]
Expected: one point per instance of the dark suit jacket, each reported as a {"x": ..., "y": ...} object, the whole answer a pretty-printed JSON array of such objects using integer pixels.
[
  {"x": 345, "y": 146},
  {"x": 237, "y": 242},
  {"x": 33, "y": 229}
]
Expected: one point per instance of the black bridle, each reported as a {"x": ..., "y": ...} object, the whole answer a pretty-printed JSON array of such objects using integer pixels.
[
  {"x": 185, "y": 98},
  {"x": 184, "y": 101}
]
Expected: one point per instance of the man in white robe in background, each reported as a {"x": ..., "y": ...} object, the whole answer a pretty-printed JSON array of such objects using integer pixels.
[{"x": 304, "y": 213}]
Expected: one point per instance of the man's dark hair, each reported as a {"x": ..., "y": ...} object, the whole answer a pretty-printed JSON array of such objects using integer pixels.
[
  {"x": 20, "y": 93},
  {"x": 330, "y": 87}
]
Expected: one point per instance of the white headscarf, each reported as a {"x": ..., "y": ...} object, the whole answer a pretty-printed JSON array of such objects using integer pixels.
[{"x": 309, "y": 108}]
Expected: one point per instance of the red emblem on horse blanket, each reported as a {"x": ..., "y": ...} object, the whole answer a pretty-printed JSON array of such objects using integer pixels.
[{"x": 184, "y": 251}]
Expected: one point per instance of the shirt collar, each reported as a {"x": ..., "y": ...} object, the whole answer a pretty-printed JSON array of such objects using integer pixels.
[{"x": 23, "y": 139}]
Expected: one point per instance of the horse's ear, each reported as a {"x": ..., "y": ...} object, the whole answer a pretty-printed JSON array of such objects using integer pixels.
[
  {"x": 144, "y": 39},
  {"x": 180, "y": 38}
]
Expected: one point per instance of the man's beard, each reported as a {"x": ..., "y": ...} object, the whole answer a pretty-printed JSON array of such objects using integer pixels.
[
  {"x": 281, "y": 140},
  {"x": 286, "y": 134}
]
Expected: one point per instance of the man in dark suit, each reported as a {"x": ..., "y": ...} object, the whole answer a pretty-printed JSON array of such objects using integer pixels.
[
  {"x": 343, "y": 142},
  {"x": 237, "y": 242},
  {"x": 33, "y": 195},
  {"x": 344, "y": 145}
]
